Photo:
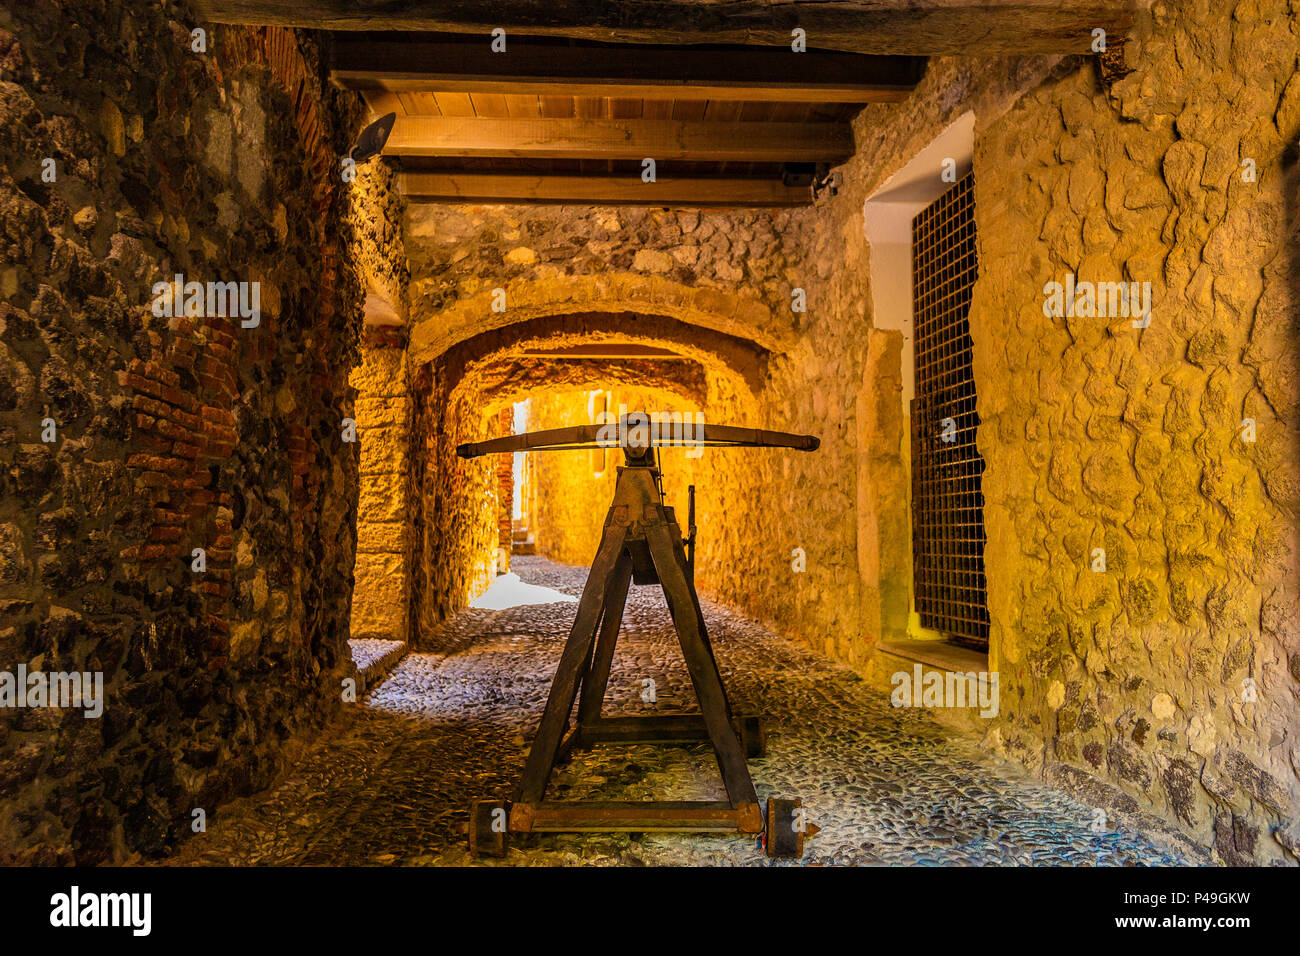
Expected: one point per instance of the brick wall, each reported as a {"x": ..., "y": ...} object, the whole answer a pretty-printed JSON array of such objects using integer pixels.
[
  {"x": 505, "y": 489},
  {"x": 181, "y": 438}
]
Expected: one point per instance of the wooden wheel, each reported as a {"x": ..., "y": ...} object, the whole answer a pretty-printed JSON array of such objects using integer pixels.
[
  {"x": 753, "y": 737},
  {"x": 783, "y": 830},
  {"x": 488, "y": 821}
]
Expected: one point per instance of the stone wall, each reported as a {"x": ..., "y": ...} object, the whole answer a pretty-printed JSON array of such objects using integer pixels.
[
  {"x": 1168, "y": 683},
  {"x": 383, "y": 419},
  {"x": 1173, "y": 674},
  {"x": 170, "y": 434},
  {"x": 454, "y": 505},
  {"x": 719, "y": 269},
  {"x": 374, "y": 212},
  {"x": 572, "y": 488},
  {"x": 505, "y": 493}
]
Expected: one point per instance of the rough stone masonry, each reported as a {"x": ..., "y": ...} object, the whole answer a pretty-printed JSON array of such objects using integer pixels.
[
  {"x": 129, "y": 155},
  {"x": 1168, "y": 683},
  {"x": 180, "y": 509}
]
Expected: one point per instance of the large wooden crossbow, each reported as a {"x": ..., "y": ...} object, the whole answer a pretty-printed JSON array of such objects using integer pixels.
[{"x": 643, "y": 544}]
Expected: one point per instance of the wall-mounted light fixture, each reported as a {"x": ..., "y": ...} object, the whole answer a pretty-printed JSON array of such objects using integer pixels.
[{"x": 372, "y": 139}]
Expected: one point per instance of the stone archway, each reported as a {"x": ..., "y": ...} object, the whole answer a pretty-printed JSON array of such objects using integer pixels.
[
  {"x": 730, "y": 313},
  {"x": 458, "y": 394},
  {"x": 739, "y": 359}
]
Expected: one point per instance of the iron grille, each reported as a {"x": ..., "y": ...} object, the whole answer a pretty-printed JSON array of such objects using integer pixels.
[{"x": 947, "y": 503}]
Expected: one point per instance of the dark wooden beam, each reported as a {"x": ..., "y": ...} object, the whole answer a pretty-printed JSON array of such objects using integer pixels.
[
  {"x": 599, "y": 190},
  {"x": 607, "y": 350},
  {"x": 547, "y": 67},
  {"x": 925, "y": 27},
  {"x": 619, "y": 139}
]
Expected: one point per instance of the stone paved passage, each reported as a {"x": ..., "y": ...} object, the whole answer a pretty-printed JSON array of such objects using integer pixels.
[{"x": 887, "y": 786}]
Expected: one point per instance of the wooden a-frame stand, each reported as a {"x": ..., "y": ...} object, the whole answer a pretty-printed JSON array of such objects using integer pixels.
[{"x": 641, "y": 543}]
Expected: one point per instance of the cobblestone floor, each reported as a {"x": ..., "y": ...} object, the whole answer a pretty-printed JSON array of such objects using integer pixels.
[{"x": 887, "y": 786}]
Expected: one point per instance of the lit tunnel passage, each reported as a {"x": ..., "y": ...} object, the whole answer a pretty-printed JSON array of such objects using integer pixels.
[{"x": 544, "y": 373}]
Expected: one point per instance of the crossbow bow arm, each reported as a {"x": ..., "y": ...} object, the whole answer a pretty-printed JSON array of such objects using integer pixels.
[{"x": 632, "y": 434}]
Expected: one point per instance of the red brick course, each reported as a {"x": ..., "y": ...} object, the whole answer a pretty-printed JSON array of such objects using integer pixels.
[
  {"x": 177, "y": 434},
  {"x": 384, "y": 337},
  {"x": 505, "y": 486}
]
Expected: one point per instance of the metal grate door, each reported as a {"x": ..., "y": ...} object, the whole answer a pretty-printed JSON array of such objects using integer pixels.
[{"x": 947, "y": 503}]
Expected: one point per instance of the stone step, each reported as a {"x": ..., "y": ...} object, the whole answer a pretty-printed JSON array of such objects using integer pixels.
[{"x": 374, "y": 658}]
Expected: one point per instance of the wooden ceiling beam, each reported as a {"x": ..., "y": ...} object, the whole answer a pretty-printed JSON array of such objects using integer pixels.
[
  {"x": 551, "y": 68},
  {"x": 607, "y": 350},
  {"x": 924, "y": 27},
  {"x": 619, "y": 139},
  {"x": 599, "y": 190}
]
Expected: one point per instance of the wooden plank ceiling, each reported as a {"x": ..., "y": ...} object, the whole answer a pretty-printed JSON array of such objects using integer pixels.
[
  {"x": 709, "y": 89},
  {"x": 921, "y": 27},
  {"x": 554, "y": 120}
]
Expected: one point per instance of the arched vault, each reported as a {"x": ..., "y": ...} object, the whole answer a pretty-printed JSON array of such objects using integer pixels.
[
  {"x": 736, "y": 316},
  {"x": 491, "y": 354}
]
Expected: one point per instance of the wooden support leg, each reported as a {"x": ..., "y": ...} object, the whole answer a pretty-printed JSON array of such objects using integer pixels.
[
  {"x": 597, "y": 678},
  {"x": 670, "y": 565},
  {"x": 564, "y": 688},
  {"x": 675, "y": 536},
  {"x": 676, "y": 533}
]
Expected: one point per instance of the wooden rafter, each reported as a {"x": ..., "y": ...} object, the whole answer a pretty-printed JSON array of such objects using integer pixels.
[
  {"x": 607, "y": 350},
  {"x": 620, "y": 139},
  {"x": 924, "y": 27},
  {"x": 622, "y": 190},
  {"x": 545, "y": 67}
]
